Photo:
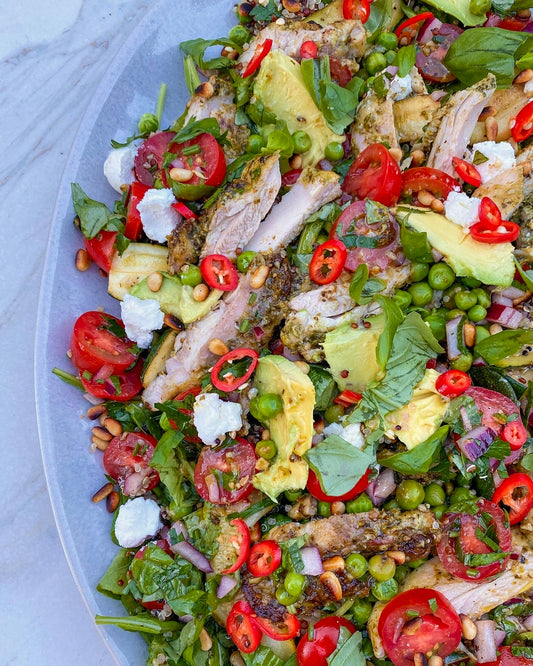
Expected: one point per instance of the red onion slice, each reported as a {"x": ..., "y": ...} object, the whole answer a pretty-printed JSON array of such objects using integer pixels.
[
  {"x": 226, "y": 585},
  {"x": 505, "y": 316},
  {"x": 382, "y": 487},
  {"x": 500, "y": 299},
  {"x": 312, "y": 561},
  {"x": 512, "y": 293},
  {"x": 485, "y": 641},
  {"x": 195, "y": 557},
  {"x": 476, "y": 442}
]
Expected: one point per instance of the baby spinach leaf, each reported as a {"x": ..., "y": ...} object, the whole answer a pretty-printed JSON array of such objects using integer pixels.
[
  {"x": 393, "y": 318},
  {"x": 114, "y": 580},
  {"x": 196, "y": 48},
  {"x": 420, "y": 459},
  {"x": 501, "y": 345},
  {"x": 94, "y": 215}
]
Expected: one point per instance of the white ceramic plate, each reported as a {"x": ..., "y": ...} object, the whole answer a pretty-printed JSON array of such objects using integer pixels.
[{"x": 150, "y": 57}]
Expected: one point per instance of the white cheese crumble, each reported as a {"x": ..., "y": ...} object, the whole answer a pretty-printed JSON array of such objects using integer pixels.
[
  {"x": 462, "y": 209},
  {"x": 213, "y": 417},
  {"x": 157, "y": 215},
  {"x": 400, "y": 87},
  {"x": 351, "y": 433},
  {"x": 138, "y": 520},
  {"x": 141, "y": 317},
  {"x": 118, "y": 167},
  {"x": 500, "y": 158},
  {"x": 528, "y": 88}
]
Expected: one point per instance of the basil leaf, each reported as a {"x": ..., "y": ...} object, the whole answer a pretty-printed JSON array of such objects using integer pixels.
[
  {"x": 393, "y": 318},
  {"x": 114, "y": 580},
  {"x": 405, "y": 59},
  {"x": 93, "y": 215},
  {"x": 358, "y": 282},
  {"x": 420, "y": 459},
  {"x": 381, "y": 16},
  {"x": 263, "y": 656},
  {"x": 196, "y": 48},
  {"x": 192, "y": 78},
  {"x": 460, "y": 10},
  {"x": 415, "y": 244},
  {"x": 325, "y": 387},
  {"x": 527, "y": 462},
  {"x": 266, "y": 12},
  {"x": 194, "y": 128},
  {"x": 503, "y": 344},
  {"x": 349, "y": 652},
  {"x": 453, "y": 413},
  {"x": 330, "y": 459},
  {"x": 527, "y": 276}
]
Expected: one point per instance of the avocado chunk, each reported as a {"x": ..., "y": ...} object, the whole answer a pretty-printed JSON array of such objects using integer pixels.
[
  {"x": 138, "y": 261},
  {"x": 492, "y": 263},
  {"x": 176, "y": 298},
  {"x": 351, "y": 354},
  {"x": 281, "y": 89},
  {"x": 291, "y": 429},
  {"x": 520, "y": 358},
  {"x": 459, "y": 9},
  {"x": 328, "y": 14}
]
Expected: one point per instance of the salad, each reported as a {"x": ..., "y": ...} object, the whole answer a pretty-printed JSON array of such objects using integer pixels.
[{"x": 313, "y": 411}]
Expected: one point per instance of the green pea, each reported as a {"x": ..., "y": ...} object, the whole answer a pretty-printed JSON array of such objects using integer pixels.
[
  {"x": 324, "y": 509},
  {"x": 356, "y": 565},
  {"x": 284, "y": 597},
  {"x": 254, "y": 408},
  {"x": 375, "y": 62},
  {"x": 334, "y": 151},
  {"x": 270, "y": 405},
  {"x": 471, "y": 282},
  {"x": 441, "y": 276},
  {"x": 267, "y": 449},
  {"x": 360, "y": 610},
  {"x": 419, "y": 271},
  {"x": 255, "y": 144},
  {"x": 239, "y": 34},
  {"x": 452, "y": 314},
  {"x": 401, "y": 573},
  {"x": 483, "y": 298},
  {"x": 164, "y": 422},
  {"x": 360, "y": 504},
  {"x": 448, "y": 297},
  {"x": 479, "y": 7},
  {"x": 148, "y": 122},
  {"x": 381, "y": 567},
  {"x": 390, "y": 57},
  {"x": 278, "y": 140},
  {"x": 384, "y": 590},
  {"x": 302, "y": 142},
  {"x": 191, "y": 277},
  {"x": 437, "y": 324},
  {"x": 414, "y": 564},
  {"x": 477, "y": 313},
  {"x": 334, "y": 413},
  {"x": 464, "y": 362},
  {"x": 465, "y": 300},
  {"x": 294, "y": 583},
  {"x": 482, "y": 333},
  {"x": 403, "y": 298},
  {"x": 244, "y": 260},
  {"x": 421, "y": 293},
  {"x": 439, "y": 511},
  {"x": 388, "y": 40},
  {"x": 409, "y": 494},
  {"x": 434, "y": 494},
  {"x": 391, "y": 504},
  {"x": 460, "y": 495}
]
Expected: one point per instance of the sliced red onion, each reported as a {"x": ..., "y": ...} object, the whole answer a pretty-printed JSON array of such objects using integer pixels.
[
  {"x": 529, "y": 27},
  {"x": 195, "y": 557},
  {"x": 391, "y": 69},
  {"x": 436, "y": 95},
  {"x": 499, "y": 636},
  {"x": 428, "y": 30},
  {"x": 213, "y": 489},
  {"x": 258, "y": 332},
  {"x": 179, "y": 528},
  {"x": 465, "y": 419},
  {"x": 103, "y": 374},
  {"x": 512, "y": 292},
  {"x": 528, "y": 623},
  {"x": 185, "y": 618},
  {"x": 325, "y": 165},
  {"x": 476, "y": 442},
  {"x": 226, "y": 585},
  {"x": 437, "y": 256},
  {"x": 452, "y": 338},
  {"x": 290, "y": 355},
  {"x": 505, "y": 316},
  {"x": 485, "y": 641},
  {"x": 500, "y": 299},
  {"x": 133, "y": 483},
  {"x": 382, "y": 487},
  {"x": 93, "y": 399},
  {"x": 312, "y": 561}
]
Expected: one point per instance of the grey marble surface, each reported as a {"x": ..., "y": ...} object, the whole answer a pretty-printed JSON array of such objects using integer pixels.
[{"x": 52, "y": 57}]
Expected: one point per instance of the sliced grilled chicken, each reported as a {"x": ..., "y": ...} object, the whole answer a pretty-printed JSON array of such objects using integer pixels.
[
  {"x": 504, "y": 104},
  {"x": 412, "y": 114},
  {"x": 374, "y": 123}
]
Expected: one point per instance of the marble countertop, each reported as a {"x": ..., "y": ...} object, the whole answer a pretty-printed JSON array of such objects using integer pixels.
[{"x": 52, "y": 57}]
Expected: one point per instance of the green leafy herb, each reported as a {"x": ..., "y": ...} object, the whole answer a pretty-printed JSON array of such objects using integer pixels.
[
  {"x": 527, "y": 275},
  {"x": 68, "y": 378},
  {"x": 114, "y": 580},
  {"x": 405, "y": 59},
  {"x": 325, "y": 387},
  {"x": 349, "y": 651},
  {"x": 193, "y": 129},
  {"x": 479, "y": 158},
  {"x": 474, "y": 560},
  {"x": 203, "y": 532},
  {"x": 144, "y": 623},
  {"x": 420, "y": 459},
  {"x": 192, "y": 78},
  {"x": 291, "y": 556},
  {"x": 358, "y": 282},
  {"x": 501, "y": 345},
  {"x": 393, "y": 318},
  {"x": 94, "y": 215},
  {"x": 433, "y": 604},
  {"x": 133, "y": 416},
  {"x": 266, "y": 12},
  {"x": 453, "y": 413},
  {"x": 522, "y": 651},
  {"x": 196, "y": 48},
  {"x": 415, "y": 244},
  {"x": 263, "y": 656}
]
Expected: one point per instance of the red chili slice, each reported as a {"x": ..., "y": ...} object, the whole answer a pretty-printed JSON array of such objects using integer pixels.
[
  {"x": 242, "y": 628},
  {"x": 229, "y": 382},
  {"x": 506, "y": 232},
  {"x": 279, "y": 631},
  {"x": 347, "y": 398},
  {"x": 261, "y": 51},
  {"x": 264, "y": 558},
  {"x": 308, "y": 49},
  {"x": 467, "y": 171},
  {"x": 185, "y": 211},
  {"x": 413, "y": 24},
  {"x": 515, "y": 434},
  {"x": 133, "y": 228},
  {"x": 242, "y": 541},
  {"x": 356, "y": 9},
  {"x": 439, "y": 183},
  {"x": 327, "y": 262},
  {"x": 453, "y": 383},
  {"x": 523, "y": 125},
  {"x": 219, "y": 273},
  {"x": 515, "y": 494},
  {"x": 489, "y": 214}
]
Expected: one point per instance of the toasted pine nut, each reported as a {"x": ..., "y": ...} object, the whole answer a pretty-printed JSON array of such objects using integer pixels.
[
  {"x": 217, "y": 347},
  {"x": 524, "y": 13},
  {"x": 205, "y": 640},
  {"x": 255, "y": 533},
  {"x": 262, "y": 464},
  {"x": 338, "y": 508},
  {"x": 417, "y": 157},
  {"x": 396, "y": 154},
  {"x": 330, "y": 580},
  {"x": 228, "y": 52},
  {"x": 411, "y": 627},
  {"x": 525, "y": 296},
  {"x": 236, "y": 659},
  {"x": 524, "y": 76},
  {"x": 102, "y": 433},
  {"x": 319, "y": 426},
  {"x": 419, "y": 659},
  {"x": 396, "y": 555},
  {"x": 114, "y": 426},
  {"x": 205, "y": 90},
  {"x": 96, "y": 411},
  {"x": 437, "y": 205},
  {"x": 495, "y": 328},
  {"x": 83, "y": 260},
  {"x": 112, "y": 501},
  {"x": 292, "y": 6},
  {"x": 487, "y": 112},
  {"x": 173, "y": 322},
  {"x": 154, "y": 281},
  {"x": 259, "y": 277},
  {"x": 491, "y": 128},
  {"x": 101, "y": 494},
  {"x": 101, "y": 444},
  {"x": 435, "y": 660},
  {"x": 296, "y": 162},
  {"x": 180, "y": 175},
  {"x": 425, "y": 197},
  {"x": 265, "y": 434},
  {"x": 468, "y": 627},
  {"x": 304, "y": 367},
  {"x": 526, "y": 167},
  {"x": 334, "y": 564},
  {"x": 200, "y": 292},
  {"x": 469, "y": 333}
]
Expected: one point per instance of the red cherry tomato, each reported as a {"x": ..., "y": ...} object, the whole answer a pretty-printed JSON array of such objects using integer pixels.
[
  {"x": 374, "y": 174},
  {"x": 439, "y": 632},
  {"x": 244, "y": 632},
  {"x": 264, "y": 558},
  {"x": 452, "y": 383},
  {"x": 134, "y": 227},
  {"x": 158, "y": 604},
  {"x": 316, "y": 650},
  {"x": 489, "y": 214},
  {"x": 425, "y": 178},
  {"x": 131, "y": 454},
  {"x": 458, "y": 553},
  {"x": 290, "y": 177},
  {"x": 515, "y": 494},
  {"x": 313, "y": 486},
  {"x": 242, "y": 543},
  {"x": 347, "y": 398},
  {"x": 101, "y": 249},
  {"x": 223, "y": 475},
  {"x": 506, "y": 232},
  {"x": 261, "y": 51},
  {"x": 467, "y": 171},
  {"x": 341, "y": 74},
  {"x": 327, "y": 262},
  {"x": 229, "y": 381},
  {"x": 507, "y": 658},
  {"x": 279, "y": 631},
  {"x": 149, "y": 158},
  {"x": 408, "y": 29},
  {"x": 515, "y": 434},
  {"x": 100, "y": 339},
  {"x": 112, "y": 386},
  {"x": 356, "y": 9},
  {"x": 218, "y": 272},
  {"x": 523, "y": 125},
  {"x": 207, "y": 162},
  {"x": 308, "y": 49}
]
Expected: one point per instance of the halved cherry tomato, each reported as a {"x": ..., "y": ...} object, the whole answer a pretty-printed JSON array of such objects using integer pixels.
[
  {"x": 290, "y": 177},
  {"x": 460, "y": 541},
  {"x": 101, "y": 249},
  {"x": 452, "y": 383},
  {"x": 113, "y": 386},
  {"x": 404, "y": 635},
  {"x": 242, "y": 543},
  {"x": 523, "y": 125},
  {"x": 313, "y": 486},
  {"x": 512, "y": 23},
  {"x": 507, "y": 658},
  {"x": 347, "y": 398},
  {"x": 160, "y": 603},
  {"x": 411, "y": 26},
  {"x": 356, "y": 9},
  {"x": 506, "y": 232},
  {"x": 184, "y": 210},
  {"x": 327, "y": 262},
  {"x": 223, "y": 474},
  {"x": 244, "y": 632},
  {"x": 264, "y": 558},
  {"x": 208, "y": 162},
  {"x": 261, "y": 51},
  {"x": 129, "y": 455},
  {"x": 341, "y": 74},
  {"x": 134, "y": 227},
  {"x": 374, "y": 174},
  {"x": 308, "y": 49},
  {"x": 467, "y": 171},
  {"x": 316, "y": 650},
  {"x": 279, "y": 631},
  {"x": 439, "y": 183},
  {"x": 100, "y": 339},
  {"x": 515, "y": 494},
  {"x": 515, "y": 434},
  {"x": 230, "y": 382},
  {"x": 149, "y": 158},
  {"x": 219, "y": 273}
]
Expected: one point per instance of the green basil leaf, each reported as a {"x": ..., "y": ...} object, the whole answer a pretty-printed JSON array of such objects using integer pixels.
[
  {"x": 192, "y": 78},
  {"x": 265, "y": 12},
  {"x": 420, "y": 459},
  {"x": 393, "y": 318},
  {"x": 263, "y": 656},
  {"x": 358, "y": 282},
  {"x": 114, "y": 580},
  {"x": 527, "y": 276},
  {"x": 460, "y": 10},
  {"x": 349, "y": 650},
  {"x": 93, "y": 215},
  {"x": 415, "y": 244},
  {"x": 325, "y": 387},
  {"x": 501, "y": 345},
  {"x": 196, "y": 48},
  {"x": 405, "y": 59}
]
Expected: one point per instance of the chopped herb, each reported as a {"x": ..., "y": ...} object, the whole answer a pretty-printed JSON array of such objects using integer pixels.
[{"x": 433, "y": 604}]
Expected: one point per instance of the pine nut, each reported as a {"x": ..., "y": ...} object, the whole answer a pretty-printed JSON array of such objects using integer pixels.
[
  {"x": 180, "y": 175},
  {"x": 101, "y": 494},
  {"x": 419, "y": 659},
  {"x": 296, "y": 162},
  {"x": 437, "y": 205},
  {"x": 205, "y": 90},
  {"x": 112, "y": 501},
  {"x": 259, "y": 277},
  {"x": 101, "y": 444},
  {"x": 217, "y": 347},
  {"x": 265, "y": 434},
  {"x": 524, "y": 76},
  {"x": 319, "y": 426},
  {"x": 525, "y": 297},
  {"x": 417, "y": 157},
  {"x": 228, "y": 52},
  {"x": 303, "y": 366},
  {"x": 173, "y": 322},
  {"x": 425, "y": 197},
  {"x": 412, "y": 627},
  {"x": 396, "y": 555},
  {"x": 524, "y": 13},
  {"x": 102, "y": 433},
  {"x": 114, "y": 426},
  {"x": 96, "y": 411},
  {"x": 330, "y": 580},
  {"x": 154, "y": 282},
  {"x": 396, "y": 154},
  {"x": 83, "y": 260},
  {"x": 491, "y": 128},
  {"x": 292, "y": 6},
  {"x": 435, "y": 660},
  {"x": 495, "y": 328},
  {"x": 338, "y": 508},
  {"x": 236, "y": 659},
  {"x": 200, "y": 293},
  {"x": 526, "y": 167},
  {"x": 205, "y": 641},
  {"x": 487, "y": 112},
  {"x": 468, "y": 627},
  {"x": 334, "y": 564},
  {"x": 469, "y": 334},
  {"x": 255, "y": 533}
]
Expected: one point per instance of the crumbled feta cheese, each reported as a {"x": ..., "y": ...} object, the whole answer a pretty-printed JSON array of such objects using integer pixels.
[
  {"x": 138, "y": 520},
  {"x": 400, "y": 87},
  {"x": 214, "y": 417},
  {"x": 118, "y": 167},
  {"x": 351, "y": 433},
  {"x": 500, "y": 157},
  {"x": 141, "y": 317},
  {"x": 333, "y": 429},
  {"x": 157, "y": 215},
  {"x": 462, "y": 209},
  {"x": 528, "y": 88}
]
